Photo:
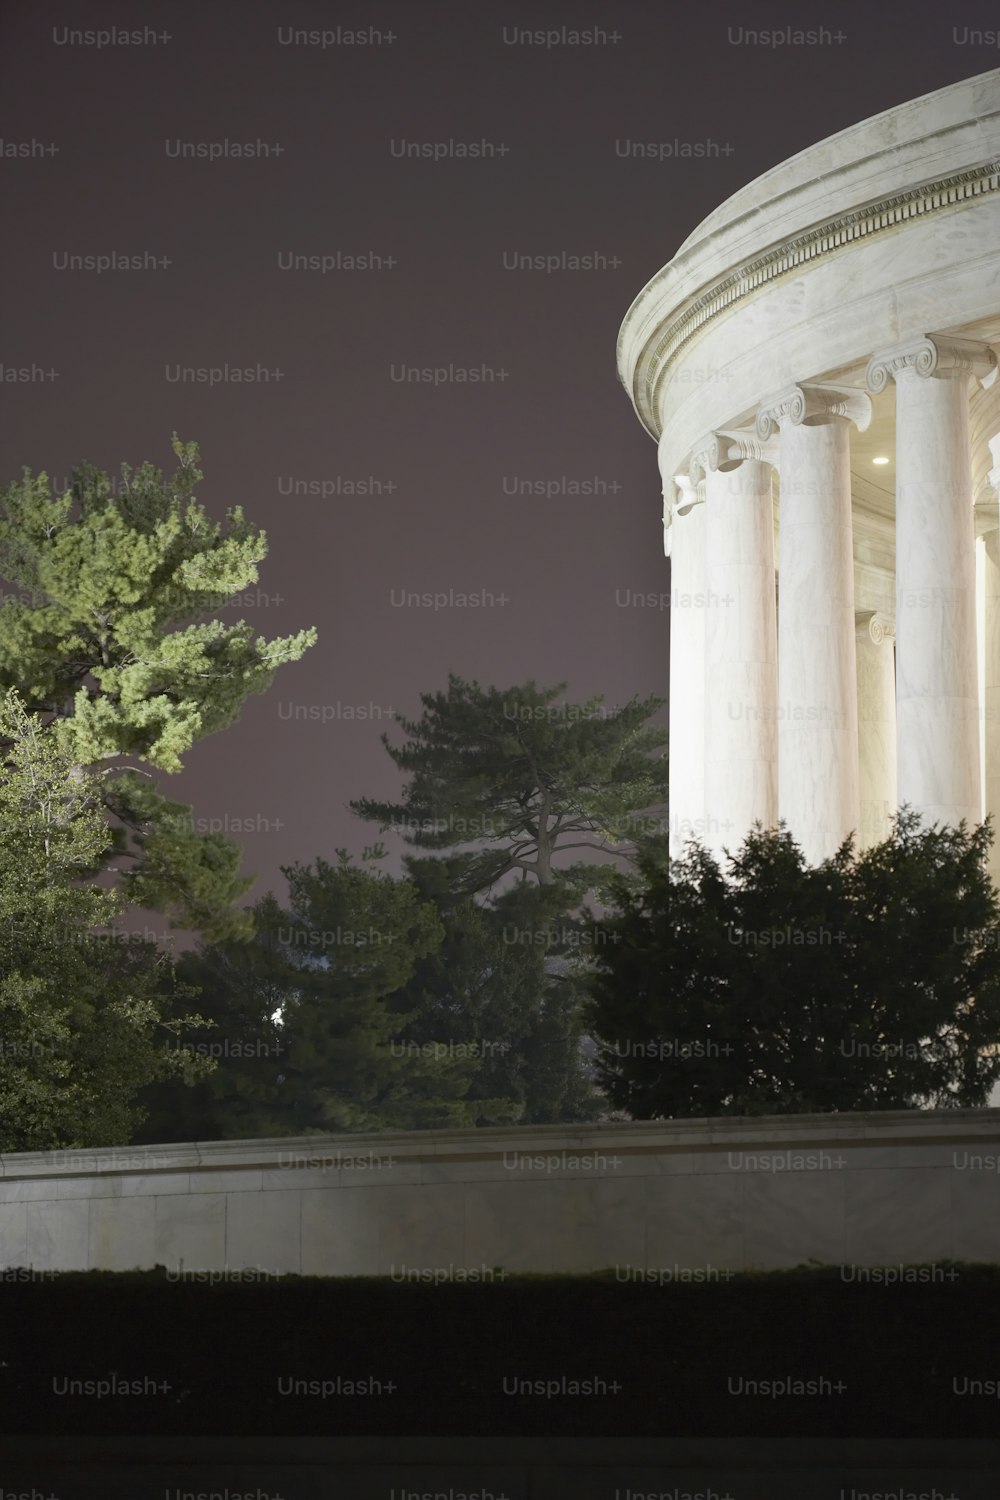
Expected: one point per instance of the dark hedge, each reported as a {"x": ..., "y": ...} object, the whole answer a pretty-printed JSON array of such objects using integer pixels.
[{"x": 905, "y": 1353}]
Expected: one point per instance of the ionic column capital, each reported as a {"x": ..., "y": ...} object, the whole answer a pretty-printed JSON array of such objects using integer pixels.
[
  {"x": 876, "y": 626},
  {"x": 812, "y": 406},
  {"x": 933, "y": 355},
  {"x": 678, "y": 500},
  {"x": 724, "y": 451},
  {"x": 691, "y": 493}
]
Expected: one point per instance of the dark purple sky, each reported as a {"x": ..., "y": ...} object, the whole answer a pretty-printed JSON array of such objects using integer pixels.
[{"x": 116, "y": 113}]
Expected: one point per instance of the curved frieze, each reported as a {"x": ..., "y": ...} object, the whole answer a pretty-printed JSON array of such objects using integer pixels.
[{"x": 790, "y": 256}]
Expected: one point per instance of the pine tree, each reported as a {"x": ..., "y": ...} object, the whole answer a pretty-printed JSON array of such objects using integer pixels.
[
  {"x": 314, "y": 1022},
  {"x": 102, "y": 644},
  {"x": 505, "y": 783},
  {"x": 84, "y": 1016},
  {"x": 348, "y": 1067},
  {"x": 526, "y": 776},
  {"x": 243, "y": 988}
]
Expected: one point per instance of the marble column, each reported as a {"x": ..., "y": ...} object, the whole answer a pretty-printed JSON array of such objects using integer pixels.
[
  {"x": 741, "y": 649},
  {"x": 685, "y": 546},
  {"x": 936, "y": 672},
  {"x": 988, "y": 592},
  {"x": 876, "y": 726},
  {"x": 818, "y": 789}
]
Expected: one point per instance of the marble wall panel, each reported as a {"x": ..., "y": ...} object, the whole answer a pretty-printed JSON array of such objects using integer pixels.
[
  {"x": 894, "y": 1217},
  {"x": 695, "y": 1221},
  {"x": 794, "y": 1219},
  {"x": 421, "y": 1226},
  {"x": 121, "y": 1233},
  {"x": 263, "y": 1232},
  {"x": 190, "y": 1232},
  {"x": 58, "y": 1235},
  {"x": 13, "y": 1234},
  {"x": 509, "y": 1224},
  {"x": 340, "y": 1233},
  {"x": 597, "y": 1224}
]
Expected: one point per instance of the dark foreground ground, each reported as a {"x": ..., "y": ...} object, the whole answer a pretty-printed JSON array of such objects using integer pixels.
[{"x": 805, "y": 1354}]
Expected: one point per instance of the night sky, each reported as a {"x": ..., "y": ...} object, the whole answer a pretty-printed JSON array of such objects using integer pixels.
[{"x": 437, "y": 238}]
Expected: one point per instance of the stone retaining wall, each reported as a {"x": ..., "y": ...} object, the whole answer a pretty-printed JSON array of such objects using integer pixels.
[{"x": 695, "y": 1195}]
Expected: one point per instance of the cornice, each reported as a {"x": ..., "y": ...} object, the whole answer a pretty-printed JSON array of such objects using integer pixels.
[{"x": 823, "y": 240}]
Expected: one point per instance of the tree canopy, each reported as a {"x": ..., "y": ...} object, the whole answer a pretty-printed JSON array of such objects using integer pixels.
[
  {"x": 84, "y": 1013},
  {"x": 526, "y": 778},
  {"x": 102, "y": 644},
  {"x": 313, "y": 1022},
  {"x": 871, "y": 981}
]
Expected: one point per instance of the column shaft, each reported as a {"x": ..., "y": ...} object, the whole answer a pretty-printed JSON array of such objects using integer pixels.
[
  {"x": 818, "y": 791},
  {"x": 990, "y": 545},
  {"x": 936, "y": 674},
  {"x": 741, "y": 672},
  {"x": 876, "y": 730},
  {"x": 687, "y": 679}
]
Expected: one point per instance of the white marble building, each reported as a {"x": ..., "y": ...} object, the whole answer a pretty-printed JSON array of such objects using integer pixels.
[{"x": 818, "y": 367}]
